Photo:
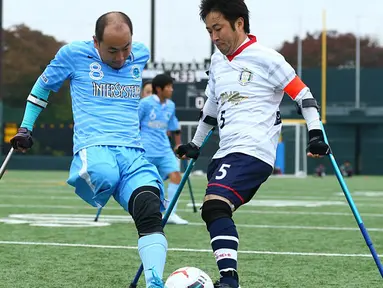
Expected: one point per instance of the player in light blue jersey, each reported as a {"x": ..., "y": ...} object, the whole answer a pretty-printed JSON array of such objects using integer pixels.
[
  {"x": 146, "y": 89},
  {"x": 157, "y": 117},
  {"x": 105, "y": 84}
]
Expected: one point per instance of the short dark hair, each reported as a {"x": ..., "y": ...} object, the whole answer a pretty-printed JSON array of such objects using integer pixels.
[
  {"x": 147, "y": 82},
  {"x": 106, "y": 18},
  {"x": 230, "y": 9},
  {"x": 160, "y": 81}
]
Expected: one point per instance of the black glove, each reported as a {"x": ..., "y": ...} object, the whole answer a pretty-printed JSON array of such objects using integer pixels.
[
  {"x": 316, "y": 145},
  {"x": 23, "y": 139},
  {"x": 189, "y": 150}
]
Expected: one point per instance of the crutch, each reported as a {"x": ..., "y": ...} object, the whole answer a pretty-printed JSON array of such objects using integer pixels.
[
  {"x": 355, "y": 211},
  {"x": 5, "y": 163}
]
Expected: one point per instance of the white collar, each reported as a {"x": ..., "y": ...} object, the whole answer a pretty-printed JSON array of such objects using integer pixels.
[{"x": 156, "y": 98}]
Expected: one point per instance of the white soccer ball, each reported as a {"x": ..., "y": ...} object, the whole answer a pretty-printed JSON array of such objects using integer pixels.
[{"x": 189, "y": 277}]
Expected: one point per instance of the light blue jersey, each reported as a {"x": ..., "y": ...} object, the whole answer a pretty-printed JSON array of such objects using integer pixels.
[
  {"x": 104, "y": 100},
  {"x": 156, "y": 119},
  {"x": 108, "y": 156}
]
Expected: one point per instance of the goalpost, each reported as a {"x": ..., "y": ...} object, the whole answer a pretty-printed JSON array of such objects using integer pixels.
[
  {"x": 294, "y": 137},
  {"x": 291, "y": 153}
]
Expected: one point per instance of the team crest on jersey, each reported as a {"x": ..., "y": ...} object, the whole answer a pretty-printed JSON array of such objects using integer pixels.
[
  {"x": 245, "y": 77},
  {"x": 95, "y": 71},
  {"x": 136, "y": 73}
]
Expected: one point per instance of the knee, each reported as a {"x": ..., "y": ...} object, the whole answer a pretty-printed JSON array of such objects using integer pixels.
[
  {"x": 215, "y": 209},
  {"x": 175, "y": 177},
  {"x": 145, "y": 208}
]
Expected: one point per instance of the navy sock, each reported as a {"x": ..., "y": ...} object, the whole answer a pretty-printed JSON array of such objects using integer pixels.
[{"x": 224, "y": 241}]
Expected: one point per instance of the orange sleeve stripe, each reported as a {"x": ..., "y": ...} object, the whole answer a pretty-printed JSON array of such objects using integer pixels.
[{"x": 294, "y": 87}]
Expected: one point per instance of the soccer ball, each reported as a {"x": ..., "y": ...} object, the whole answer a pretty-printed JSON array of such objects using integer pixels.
[{"x": 189, "y": 277}]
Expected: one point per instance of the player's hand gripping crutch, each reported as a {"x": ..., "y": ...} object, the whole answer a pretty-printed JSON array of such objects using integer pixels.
[
  {"x": 173, "y": 202},
  {"x": 353, "y": 207},
  {"x": 22, "y": 141},
  {"x": 5, "y": 163}
]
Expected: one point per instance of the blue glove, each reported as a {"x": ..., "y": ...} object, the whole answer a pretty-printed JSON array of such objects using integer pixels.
[{"x": 22, "y": 140}]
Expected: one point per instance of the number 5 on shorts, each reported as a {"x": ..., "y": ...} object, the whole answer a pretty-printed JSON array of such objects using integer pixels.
[{"x": 223, "y": 171}]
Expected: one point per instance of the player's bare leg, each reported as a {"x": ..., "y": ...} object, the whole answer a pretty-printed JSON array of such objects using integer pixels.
[{"x": 174, "y": 181}]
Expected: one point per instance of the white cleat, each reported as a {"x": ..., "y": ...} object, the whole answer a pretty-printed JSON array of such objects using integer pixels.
[{"x": 175, "y": 219}]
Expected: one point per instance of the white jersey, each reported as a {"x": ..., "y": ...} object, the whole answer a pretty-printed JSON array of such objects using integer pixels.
[{"x": 248, "y": 87}]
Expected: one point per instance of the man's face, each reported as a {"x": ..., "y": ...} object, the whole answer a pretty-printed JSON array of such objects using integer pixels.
[
  {"x": 221, "y": 32},
  {"x": 167, "y": 92},
  {"x": 115, "y": 46},
  {"x": 147, "y": 90}
]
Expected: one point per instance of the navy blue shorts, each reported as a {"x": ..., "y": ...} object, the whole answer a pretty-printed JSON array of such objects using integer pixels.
[{"x": 236, "y": 177}]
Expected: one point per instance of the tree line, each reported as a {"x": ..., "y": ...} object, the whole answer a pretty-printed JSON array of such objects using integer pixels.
[{"x": 26, "y": 53}]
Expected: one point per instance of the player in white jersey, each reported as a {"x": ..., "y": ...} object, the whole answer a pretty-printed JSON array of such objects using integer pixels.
[
  {"x": 105, "y": 81},
  {"x": 246, "y": 84}
]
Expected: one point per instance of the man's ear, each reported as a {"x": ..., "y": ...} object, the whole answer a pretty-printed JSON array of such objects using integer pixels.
[{"x": 95, "y": 42}]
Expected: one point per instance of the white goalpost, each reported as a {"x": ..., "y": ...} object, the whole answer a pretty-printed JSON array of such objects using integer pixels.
[
  {"x": 291, "y": 155},
  {"x": 294, "y": 136}
]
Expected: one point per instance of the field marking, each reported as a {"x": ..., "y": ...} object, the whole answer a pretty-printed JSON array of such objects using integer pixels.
[
  {"x": 74, "y": 197},
  {"x": 25, "y": 181},
  {"x": 248, "y": 211},
  {"x": 366, "y": 194},
  {"x": 296, "y": 203},
  {"x": 243, "y": 211},
  {"x": 86, "y": 220},
  {"x": 54, "y": 206},
  {"x": 264, "y": 202},
  {"x": 75, "y": 245},
  {"x": 336, "y": 196}
]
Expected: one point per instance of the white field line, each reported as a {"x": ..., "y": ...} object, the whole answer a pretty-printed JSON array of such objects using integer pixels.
[
  {"x": 52, "y": 194},
  {"x": 105, "y": 219},
  {"x": 243, "y": 211},
  {"x": 370, "y": 202},
  {"x": 74, "y": 245}
]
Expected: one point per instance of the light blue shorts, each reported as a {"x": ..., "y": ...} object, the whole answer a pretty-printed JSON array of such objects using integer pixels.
[
  {"x": 165, "y": 164},
  {"x": 98, "y": 172}
]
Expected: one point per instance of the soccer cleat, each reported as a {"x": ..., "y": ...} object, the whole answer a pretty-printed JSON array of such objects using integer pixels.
[
  {"x": 175, "y": 219},
  {"x": 222, "y": 285},
  {"x": 156, "y": 282}
]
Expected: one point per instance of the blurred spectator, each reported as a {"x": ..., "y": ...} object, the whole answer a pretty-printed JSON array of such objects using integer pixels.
[
  {"x": 320, "y": 171},
  {"x": 277, "y": 171},
  {"x": 346, "y": 169}
]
